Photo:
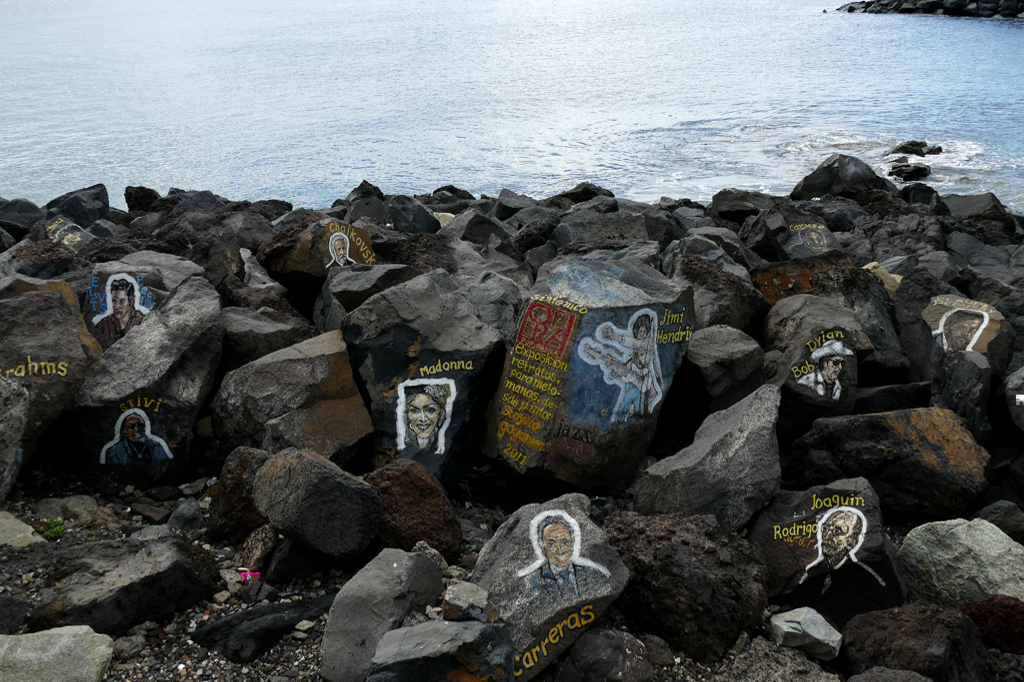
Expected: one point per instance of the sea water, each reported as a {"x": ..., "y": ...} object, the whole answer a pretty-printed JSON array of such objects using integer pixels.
[{"x": 649, "y": 98}]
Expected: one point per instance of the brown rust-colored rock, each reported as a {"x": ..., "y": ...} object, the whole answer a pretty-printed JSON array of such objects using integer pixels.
[
  {"x": 416, "y": 508},
  {"x": 777, "y": 281},
  {"x": 921, "y": 462}
]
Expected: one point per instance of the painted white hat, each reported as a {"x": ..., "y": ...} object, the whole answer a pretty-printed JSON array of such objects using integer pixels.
[{"x": 830, "y": 348}]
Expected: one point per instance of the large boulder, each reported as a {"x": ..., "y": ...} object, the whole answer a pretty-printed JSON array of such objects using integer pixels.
[
  {"x": 736, "y": 205},
  {"x": 70, "y": 654},
  {"x": 718, "y": 296},
  {"x": 1000, "y": 619},
  {"x": 840, "y": 176},
  {"x": 308, "y": 497},
  {"x": 550, "y": 572},
  {"x": 914, "y": 295},
  {"x": 443, "y": 650},
  {"x": 421, "y": 350},
  {"x": 960, "y": 324},
  {"x": 597, "y": 348},
  {"x": 731, "y": 471},
  {"x": 953, "y": 563},
  {"x": 601, "y": 655},
  {"x": 347, "y": 288},
  {"x": 135, "y": 410},
  {"x": 786, "y": 231},
  {"x": 921, "y": 461},
  {"x": 691, "y": 582},
  {"x": 410, "y": 216},
  {"x": 233, "y": 513},
  {"x": 730, "y": 364},
  {"x": 303, "y": 396},
  {"x": 939, "y": 643},
  {"x": 805, "y": 629},
  {"x": 18, "y": 215},
  {"x": 375, "y": 600},
  {"x": 84, "y": 206},
  {"x": 826, "y": 548},
  {"x": 251, "y": 334},
  {"x": 416, "y": 509},
  {"x": 111, "y": 585}
]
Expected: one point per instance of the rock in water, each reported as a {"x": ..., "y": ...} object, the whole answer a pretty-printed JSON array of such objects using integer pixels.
[
  {"x": 826, "y": 548},
  {"x": 69, "y": 654},
  {"x": 114, "y": 584},
  {"x": 840, "y": 176},
  {"x": 308, "y": 497},
  {"x": 936, "y": 642},
  {"x": 303, "y": 396},
  {"x": 550, "y": 572},
  {"x": 691, "y": 582},
  {"x": 598, "y": 345},
  {"x": 952, "y": 563},
  {"x": 421, "y": 349},
  {"x": 443, "y": 650},
  {"x": 377, "y": 599},
  {"x": 731, "y": 470},
  {"x": 933, "y": 468}
]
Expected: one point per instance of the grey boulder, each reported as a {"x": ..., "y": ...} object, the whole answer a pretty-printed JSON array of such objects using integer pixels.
[
  {"x": 69, "y": 654},
  {"x": 443, "y": 650},
  {"x": 805, "y": 629}
]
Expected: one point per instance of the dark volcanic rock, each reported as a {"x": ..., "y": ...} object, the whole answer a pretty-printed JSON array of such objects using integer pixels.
[
  {"x": 311, "y": 499},
  {"x": 826, "y": 548},
  {"x": 84, "y": 206},
  {"x": 113, "y": 584},
  {"x": 1000, "y": 619},
  {"x": 14, "y": 406},
  {"x": 509, "y": 203},
  {"x": 410, "y": 216},
  {"x": 583, "y": 192},
  {"x": 140, "y": 198},
  {"x": 233, "y": 514},
  {"x": 416, "y": 508},
  {"x": 18, "y": 215},
  {"x": 549, "y": 572},
  {"x": 718, "y": 297},
  {"x": 601, "y": 655},
  {"x": 730, "y": 363},
  {"x": 250, "y": 335},
  {"x": 731, "y": 470},
  {"x": 921, "y": 462},
  {"x": 443, "y": 650},
  {"x": 1007, "y": 517},
  {"x": 910, "y": 172},
  {"x": 691, "y": 582},
  {"x": 936, "y": 642},
  {"x": 916, "y": 339},
  {"x": 915, "y": 147},
  {"x": 840, "y": 176},
  {"x": 737, "y": 205},
  {"x": 961, "y": 384},
  {"x": 244, "y": 636}
]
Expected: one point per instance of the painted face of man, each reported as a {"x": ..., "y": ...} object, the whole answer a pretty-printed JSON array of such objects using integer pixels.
[
  {"x": 122, "y": 305},
  {"x": 831, "y": 367},
  {"x": 134, "y": 429},
  {"x": 423, "y": 414},
  {"x": 962, "y": 331},
  {"x": 340, "y": 247},
  {"x": 839, "y": 536},
  {"x": 558, "y": 545}
]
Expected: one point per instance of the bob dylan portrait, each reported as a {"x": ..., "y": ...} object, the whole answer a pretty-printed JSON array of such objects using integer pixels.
[
  {"x": 134, "y": 442},
  {"x": 123, "y": 312},
  {"x": 424, "y": 412},
  {"x": 960, "y": 329},
  {"x": 559, "y": 570},
  {"x": 337, "y": 246},
  {"x": 829, "y": 361},
  {"x": 841, "y": 533}
]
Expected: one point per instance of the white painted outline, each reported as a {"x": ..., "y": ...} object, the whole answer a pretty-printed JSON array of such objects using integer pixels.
[
  {"x": 940, "y": 332},
  {"x": 400, "y": 412},
  {"x": 110, "y": 304},
  {"x": 577, "y": 543},
  {"x": 149, "y": 434},
  {"x": 852, "y": 553}
]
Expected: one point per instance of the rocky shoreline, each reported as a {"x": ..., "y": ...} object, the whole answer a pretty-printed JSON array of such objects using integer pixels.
[
  {"x": 1006, "y": 9},
  {"x": 493, "y": 438}
]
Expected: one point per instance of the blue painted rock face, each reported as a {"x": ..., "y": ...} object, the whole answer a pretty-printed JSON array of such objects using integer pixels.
[{"x": 597, "y": 347}]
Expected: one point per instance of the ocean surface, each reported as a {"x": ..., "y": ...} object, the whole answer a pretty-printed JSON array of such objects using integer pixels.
[{"x": 649, "y": 98}]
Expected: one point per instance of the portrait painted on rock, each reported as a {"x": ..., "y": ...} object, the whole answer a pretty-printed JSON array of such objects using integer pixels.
[
  {"x": 559, "y": 571},
  {"x": 628, "y": 359},
  {"x": 423, "y": 415},
  {"x": 960, "y": 329},
  {"x": 841, "y": 532},
  {"x": 124, "y": 309},
  {"x": 134, "y": 442},
  {"x": 338, "y": 246},
  {"x": 829, "y": 362}
]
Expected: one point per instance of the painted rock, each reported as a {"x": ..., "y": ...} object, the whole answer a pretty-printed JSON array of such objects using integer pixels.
[
  {"x": 63, "y": 230},
  {"x": 119, "y": 297},
  {"x": 44, "y": 347},
  {"x": 824, "y": 372},
  {"x": 421, "y": 350},
  {"x": 959, "y": 323},
  {"x": 303, "y": 396},
  {"x": 133, "y": 416},
  {"x": 597, "y": 347},
  {"x": 922, "y": 462},
  {"x": 826, "y": 548},
  {"x": 550, "y": 572},
  {"x": 314, "y": 245},
  {"x": 784, "y": 231}
]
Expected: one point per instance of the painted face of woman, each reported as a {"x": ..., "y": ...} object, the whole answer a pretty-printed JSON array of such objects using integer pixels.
[{"x": 423, "y": 414}]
